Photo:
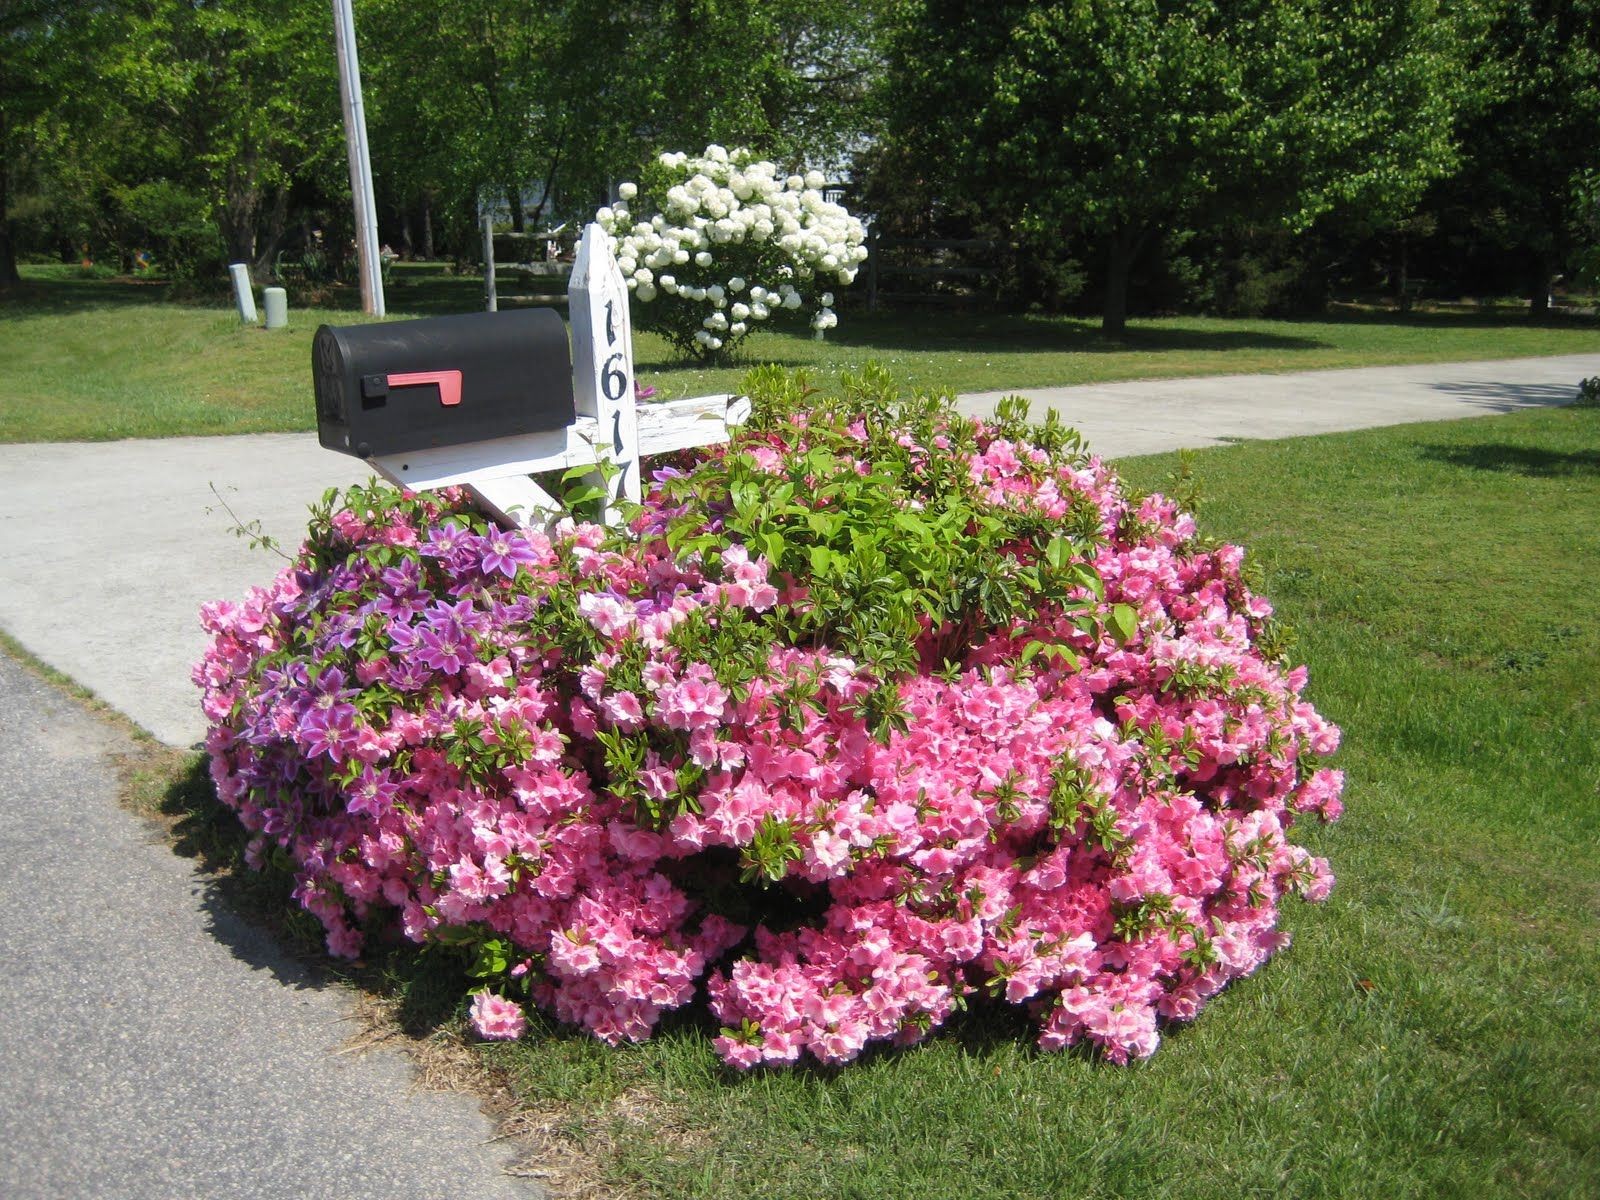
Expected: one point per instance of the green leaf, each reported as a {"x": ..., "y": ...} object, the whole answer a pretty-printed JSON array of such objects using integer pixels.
[
  {"x": 912, "y": 524},
  {"x": 1123, "y": 623},
  {"x": 745, "y": 496},
  {"x": 1059, "y": 552},
  {"x": 493, "y": 959}
]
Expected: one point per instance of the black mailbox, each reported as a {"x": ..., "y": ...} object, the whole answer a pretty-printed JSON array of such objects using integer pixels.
[{"x": 400, "y": 386}]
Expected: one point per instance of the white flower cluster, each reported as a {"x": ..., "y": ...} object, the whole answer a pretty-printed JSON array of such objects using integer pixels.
[{"x": 735, "y": 236}]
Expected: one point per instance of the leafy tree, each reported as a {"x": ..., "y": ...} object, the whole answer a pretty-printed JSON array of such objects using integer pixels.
[
  {"x": 788, "y": 78},
  {"x": 128, "y": 118},
  {"x": 571, "y": 96},
  {"x": 113, "y": 114},
  {"x": 1586, "y": 226},
  {"x": 1530, "y": 134},
  {"x": 1122, "y": 121},
  {"x": 463, "y": 102},
  {"x": 41, "y": 41},
  {"x": 248, "y": 92}
]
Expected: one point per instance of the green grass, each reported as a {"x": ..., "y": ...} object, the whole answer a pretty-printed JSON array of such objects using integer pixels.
[
  {"x": 1432, "y": 1032},
  {"x": 100, "y": 359}
]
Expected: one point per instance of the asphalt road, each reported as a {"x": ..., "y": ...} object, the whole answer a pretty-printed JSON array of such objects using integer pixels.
[{"x": 154, "y": 1046}]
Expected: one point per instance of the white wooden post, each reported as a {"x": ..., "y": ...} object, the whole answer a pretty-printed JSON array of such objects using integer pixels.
[
  {"x": 243, "y": 296},
  {"x": 602, "y": 361}
]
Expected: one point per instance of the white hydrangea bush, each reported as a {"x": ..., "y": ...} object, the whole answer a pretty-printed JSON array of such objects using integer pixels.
[{"x": 720, "y": 242}]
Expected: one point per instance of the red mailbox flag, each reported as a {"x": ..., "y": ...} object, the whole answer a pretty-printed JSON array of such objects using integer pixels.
[{"x": 449, "y": 383}]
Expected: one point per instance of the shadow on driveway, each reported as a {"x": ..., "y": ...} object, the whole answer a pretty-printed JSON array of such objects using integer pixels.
[
  {"x": 254, "y": 915},
  {"x": 1508, "y": 397}
]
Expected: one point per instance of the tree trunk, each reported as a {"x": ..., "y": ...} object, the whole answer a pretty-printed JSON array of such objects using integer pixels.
[
  {"x": 9, "y": 275},
  {"x": 549, "y": 184},
  {"x": 1125, "y": 243},
  {"x": 239, "y": 236},
  {"x": 266, "y": 259},
  {"x": 1543, "y": 273},
  {"x": 241, "y": 202},
  {"x": 515, "y": 201},
  {"x": 1402, "y": 277},
  {"x": 238, "y": 227},
  {"x": 427, "y": 226}
]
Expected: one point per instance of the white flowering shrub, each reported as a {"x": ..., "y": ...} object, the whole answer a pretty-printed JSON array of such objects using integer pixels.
[{"x": 718, "y": 243}]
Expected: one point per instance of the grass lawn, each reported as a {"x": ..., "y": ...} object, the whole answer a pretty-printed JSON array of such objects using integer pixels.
[
  {"x": 1433, "y": 1031},
  {"x": 98, "y": 359}
]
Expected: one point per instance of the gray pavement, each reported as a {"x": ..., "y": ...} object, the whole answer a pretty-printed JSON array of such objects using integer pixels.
[
  {"x": 154, "y": 1046},
  {"x": 1149, "y": 417}
]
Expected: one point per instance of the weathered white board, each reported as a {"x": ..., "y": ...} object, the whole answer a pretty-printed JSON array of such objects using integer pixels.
[{"x": 602, "y": 360}]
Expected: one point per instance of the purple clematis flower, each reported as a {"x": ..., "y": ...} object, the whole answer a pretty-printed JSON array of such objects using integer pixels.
[{"x": 505, "y": 552}]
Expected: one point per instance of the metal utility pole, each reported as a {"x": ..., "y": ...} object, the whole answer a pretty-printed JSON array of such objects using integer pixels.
[{"x": 355, "y": 136}]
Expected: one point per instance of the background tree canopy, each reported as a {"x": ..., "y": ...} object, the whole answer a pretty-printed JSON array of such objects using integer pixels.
[
  {"x": 1236, "y": 155},
  {"x": 1121, "y": 121}
]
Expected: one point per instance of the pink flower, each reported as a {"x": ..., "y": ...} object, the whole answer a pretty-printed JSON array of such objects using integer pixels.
[
  {"x": 737, "y": 1053},
  {"x": 496, "y": 1019},
  {"x": 623, "y": 710},
  {"x": 696, "y": 702},
  {"x": 1320, "y": 883},
  {"x": 344, "y": 942}
]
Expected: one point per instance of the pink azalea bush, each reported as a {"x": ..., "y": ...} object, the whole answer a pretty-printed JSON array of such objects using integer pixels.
[{"x": 873, "y": 711}]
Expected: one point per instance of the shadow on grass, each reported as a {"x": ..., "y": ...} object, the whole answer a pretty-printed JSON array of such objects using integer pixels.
[
  {"x": 865, "y": 334},
  {"x": 1019, "y": 334},
  {"x": 1517, "y": 460},
  {"x": 47, "y": 297},
  {"x": 429, "y": 292},
  {"x": 1459, "y": 316},
  {"x": 669, "y": 366}
]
